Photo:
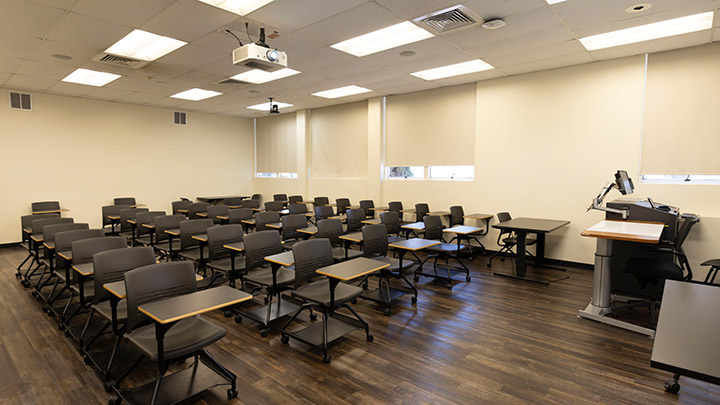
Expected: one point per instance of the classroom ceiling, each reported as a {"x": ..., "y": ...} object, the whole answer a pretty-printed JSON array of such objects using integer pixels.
[{"x": 537, "y": 36}]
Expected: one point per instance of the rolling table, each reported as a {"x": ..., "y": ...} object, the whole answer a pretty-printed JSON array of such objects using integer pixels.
[
  {"x": 688, "y": 332},
  {"x": 606, "y": 231},
  {"x": 521, "y": 227}
]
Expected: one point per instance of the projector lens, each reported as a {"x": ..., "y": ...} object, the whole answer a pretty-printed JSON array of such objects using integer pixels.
[{"x": 272, "y": 55}]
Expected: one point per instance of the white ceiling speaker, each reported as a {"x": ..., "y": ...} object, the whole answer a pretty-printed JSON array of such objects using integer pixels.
[{"x": 493, "y": 24}]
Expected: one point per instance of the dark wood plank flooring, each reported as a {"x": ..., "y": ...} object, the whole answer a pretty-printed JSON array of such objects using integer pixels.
[{"x": 493, "y": 340}]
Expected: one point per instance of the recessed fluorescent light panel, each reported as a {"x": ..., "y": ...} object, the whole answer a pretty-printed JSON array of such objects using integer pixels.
[
  {"x": 90, "y": 77},
  {"x": 266, "y": 106},
  {"x": 239, "y": 7},
  {"x": 342, "y": 92},
  {"x": 144, "y": 46},
  {"x": 662, "y": 29},
  {"x": 196, "y": 94},
  {"x": 382, "y": 39},
  {"x": 453, "y": 70},
  {"x": 258, "y": 76}
]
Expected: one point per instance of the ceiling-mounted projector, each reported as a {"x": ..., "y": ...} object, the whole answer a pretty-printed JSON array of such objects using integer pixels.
[{"x": 259, "y": 57}]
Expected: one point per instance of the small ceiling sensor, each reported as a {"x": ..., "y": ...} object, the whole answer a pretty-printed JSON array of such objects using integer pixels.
[
  {"x": 61, "y": 56},
  {"x": 493, "y": 24},
  {"x": 638, "y": 8},
  {"x": 407, "y": 53}
]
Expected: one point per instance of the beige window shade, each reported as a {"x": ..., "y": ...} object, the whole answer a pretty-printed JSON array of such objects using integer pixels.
[
  {"x": 431, "y": 128},
  {"x": 339, "y": 141},
  {"x": 276, "y": 144},
  {"x": 682, "y": 124}
]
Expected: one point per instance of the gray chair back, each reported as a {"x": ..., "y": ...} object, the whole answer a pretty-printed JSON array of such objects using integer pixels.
[
  {"x": 366, "y": 205},
  {"x": 26, "y": 222},
  {"x": 192, "y": 227},
  {"x": 342, "y": 205},
  {"x": 124, "y": 201},
  {"x": 421, "y": 209},
  {"x": 320, "y": 201},
  {"x": 457, "y": 215},
  {"x": 375, "y": 240},
  {"x": 280, "y": 197},
  {"x": 221, "y": 235},
  {"x": 129, "y": 213},
  {"x": 238, "y": 214},
  {"x": 83, "y": 250},
  {"x": 111, "y": 265},
  {"x": 259, "y": 245},
  {"x": 155, "y": 282},
  {"x": 264, "y": 218},
  {"x": 273, "y": 206},
  {"x": 391, "y": 220},
  {"x": 38, "y": 224},
  {"x": 194, "y": 208},
  {"x": 297, "y": 209},
  {"x": 295, "y": 199},
  {"x": 235, "y": 201},
  {"x": 323, "y": 212},
  {"x": 111, "y": 210},
  {"x": 353, "y": 219},
  {"x": 214, "y": 210},
  {"x": 396, "y": 206},
  {"x": 330, "y": 229},
  {"x": 433, "y": 227},
  {"x": 256, "y": 197},
  {"x": 147, "y": 217},
  {"x": 167, "y": 222},
  {"x": 290, "y": 225},
  {"x": 180, "y": 205},
  {"x": 64, "y": 240},
  {"x": 309, "y": 256},
  {"x": 49, "y": 231},
  {"x": 251, "y": 203},
  {"x": 45, "y": 206}
]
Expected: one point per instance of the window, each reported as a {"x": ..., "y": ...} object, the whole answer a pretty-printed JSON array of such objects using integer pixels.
[
  {"x": 267, "y": 175},
  {"x": 288, "y": 175},
  {"x": 452, "y": 172},
  {"x": 404, "y": 172},
  {"x": 681, "y": 178}
]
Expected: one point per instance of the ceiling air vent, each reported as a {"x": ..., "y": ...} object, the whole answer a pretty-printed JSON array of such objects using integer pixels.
[
  {"x": 20, "y": 101},
  {"x": 180, "y": 118},
  {"x": 120, "y": 61},
  {"x": 449, "y": 19}
]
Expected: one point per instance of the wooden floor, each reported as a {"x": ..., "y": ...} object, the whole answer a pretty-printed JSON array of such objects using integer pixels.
[{"x": 493, "y": 340}]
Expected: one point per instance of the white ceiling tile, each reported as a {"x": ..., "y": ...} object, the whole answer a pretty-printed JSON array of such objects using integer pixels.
[
  {"x": 45, "y": 70},
  {"x": 29, "y": 83},
  {"x": 188, "y": 20},
  {"x": 221, "y": 41},
  {"x": 16, "y": 45},
  {"x": 108, "y": 93},
  {"x": 290, "y": 15},
  {"x": 223, "y": 67},
  {"x": 9, "y": 64},
  {"x": 346, "y": 68},
  {"x": 546, "y": 64},
  {"x": 146, "y": 86},
  {"x": 70, "y": 89},
  {"x": 61, "y": 4},
  {"x": 546, "y": 36},
  {"x": 32, "y": 19},
  {"x": 4, "y": 77},
  {"x": 411, "y": 88},
  {"x": 139, "y": 98},
  {"x": 360, "y": 20},
  {"x": 79, "y": 55},
  {"x": 395, "y": 81},
  {"x": 294, "y": 45},
  {"x": 193, "y": 56},
  {"x": 322, "y": 57},
  {"x": 157, "y": 71},
  {"x": 489, "y": 9},
  {"x": 167, "y": 102},
  {"x": 428, "y": 48},
  {"x": 529, "y": 55},
  {"x": 133, "y": 13},
  {"x": 194, "y": 78},
  {"x": 76, "y": 29}
]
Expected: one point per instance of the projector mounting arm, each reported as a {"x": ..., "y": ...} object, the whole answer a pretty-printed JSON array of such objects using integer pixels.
[{"x": 598, "y": 201}]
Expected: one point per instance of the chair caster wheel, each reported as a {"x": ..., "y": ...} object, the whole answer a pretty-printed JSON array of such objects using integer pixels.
[
  {"x": 489, "y": 265},
  {"x": 34, "y": 293},
  {"x": 370, "y": 338},
  {"x": 265, "y": 300},
  {"x": 672, "y": 386},
  {"x": 467, "y": 279},
  {"x": 238, "y": 318},
  {"x": 38, "y": 298},
  {"x": 50, "y": 313},
  {"x": 227, "y": 314},
  {"x": 67, "y": 333},
  {"x": 365, "y": 286},
  {"x": 416, "y": 278},
  {"x": 232, "y": 393},
  {"x": 386, "y": 311},
  {"x": 285, "y": 339},
  {"x": 86, "y": 359},
  {"x": 326, "y": 358},
  {"x": 263, "y": 333},
  {"x": 448, "y": 286},
  {"x": 108, "y": 386},
  {"x": 115, "y": 401},
  {"x": 313, "y": 317},
  {"x": 61, "y": 327},
  {"x": 414, "y": 300},
  {"x": 353, "y": 301},
  {"x": 44, "y": 309}
]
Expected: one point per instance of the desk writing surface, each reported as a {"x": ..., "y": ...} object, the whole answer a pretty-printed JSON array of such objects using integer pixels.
[
  {"x": 37, "y": 238},
  {"x": 236, "y": 246},
  {"x": 532, "y": 224},
  {"x": 117, "y": 288},
  {"x": 184, "y": 306},
  {"x": 440, "y": 213},
  {"x": 114, "y": 217},
  {"x": 27, "y": 230},
  {"x": 202, "y": 237},
  {"x": 201, "y": 214},
  {"x": 626, "y": 230},
  {"x": 132, "y": 221},
  {"x": 49, "y": 245},
  {"x": 415, "y": 226},
  {"x": 174, "y": 232},
  {"x": 310, "y": 230},
  {"x": 414, "y": 244},
  {"x": 138, "y": 205},
  {"x": 408, "y": 211},
  {"x": 463, "y": 229},
  {"x": 688, "y": 330},
  {"x": 373, "y": 221},
  {"x": 283, "y": 259},
  {"x": 353, "y": 237},
  {"x": 85, "y": 269},
  {"x": 274, "y": 225},
  {"x": 248, "y": 221},
  {"x": 351, "y": 269},
  {"x": 50, "y": 211},
  {"x": 224, "y": 217},
  {"x": 478, "y": 216},
  {"x": 379, "y": 209},
  {"x": 151, "y": 226},
  {"x": 67, "y": 255},
  {"x": 184, "y": 211}
]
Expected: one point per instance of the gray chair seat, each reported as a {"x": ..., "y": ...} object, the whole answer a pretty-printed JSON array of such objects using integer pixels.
[
  {"x": 319, "y": 292},
  {"x": 144, "y": 240},
  {"x": 339, "y": 254},
  {"x": 165, "y": 245},
  {"x": 394, "y": 263},
  {"x": 105, "y": 310},
  {"x": 185, "y": 337},
  {"x": 226, "y": 264},
  {"x": 450, "y": 248},
  {"x": 191, "y": 254},
  {"x": 285, "y": 277},
  {"x": 654, "y": 268}
]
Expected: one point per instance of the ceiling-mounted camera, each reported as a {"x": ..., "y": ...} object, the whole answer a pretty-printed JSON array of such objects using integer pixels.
[{"x": 273, "y": 107}]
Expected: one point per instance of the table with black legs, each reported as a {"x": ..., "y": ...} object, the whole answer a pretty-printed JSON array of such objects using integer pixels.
[{"x": 522, "y": 227}]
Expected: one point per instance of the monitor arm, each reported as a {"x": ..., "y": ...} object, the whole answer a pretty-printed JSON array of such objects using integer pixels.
[{"x": 598, "y": 201}]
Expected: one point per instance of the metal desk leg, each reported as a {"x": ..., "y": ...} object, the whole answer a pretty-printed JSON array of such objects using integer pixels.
[{"x": 521, "y": 261}]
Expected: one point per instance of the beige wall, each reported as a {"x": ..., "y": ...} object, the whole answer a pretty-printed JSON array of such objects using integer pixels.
[{"x": 84, "y": 153}]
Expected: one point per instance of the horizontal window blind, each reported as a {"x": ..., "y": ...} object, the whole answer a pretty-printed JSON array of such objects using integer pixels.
[
  {"x": 339, "y": 141},
  {"x": 431, "y": 128},
  {"x": 276, "y": 144},
  {"x": 681, "y": 128}
]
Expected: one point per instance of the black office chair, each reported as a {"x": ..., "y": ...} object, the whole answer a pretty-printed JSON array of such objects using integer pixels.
[
  {"x": 197, "y": 208},
  {"x": 40, "y": 206},
  {"x": 713, "y": 271},
  {"x": 186, "y": 338},
  {"x": 653, "y": 271},
  {"x": 297, "y": 209},
  {"x": 332, "y": 229},
  {"x": 142, "y": 233},
  {"x": 354, "y": 218},
  {"x": 290, "y": 225},
  {"x": 323, "y": 212},
  {"x": 367, "y": 206},
  {"x": 264, "y": 218},
  {"x": 220, "y": 259},
  {"x": 274, "y": 206},
  {"x": 421, "y": 210},
  {"x": 124, "y": 201},
  {"x": 126, "y": 228},
  {"x": 320, "y": 201},
  {"x": 391, "y": 220},
  {"x": 49, "y": 232},
  {"x": 180, "y": 205},
  {"x": 342, "y": 205},
  {"x": 507, "y": 240},
  {"x": 108, "y": 210},
  {"x": 252, "y": 203},
  {"x": 434, "y": 231},
  {"x": 397, "y": 206},
  {"x": 313, "y": 290},
  {"x": 280, "y": 198},
  {"x": 457, "y": 218},
  {"x": 295, "y": 199},
  {"x": 214, "y": 211}
]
